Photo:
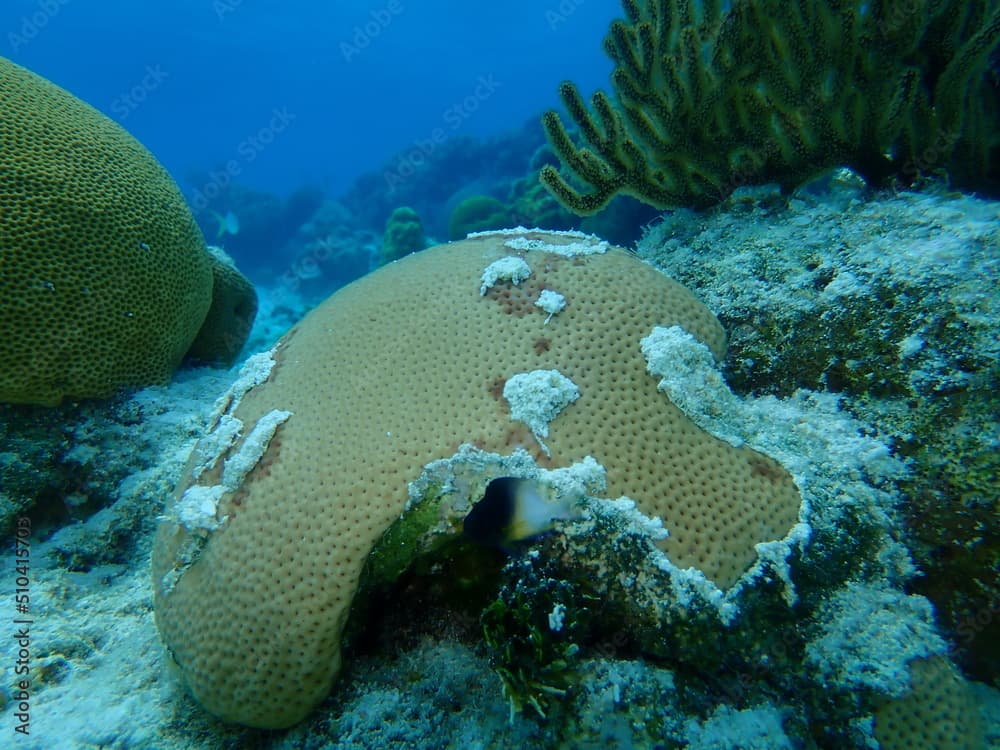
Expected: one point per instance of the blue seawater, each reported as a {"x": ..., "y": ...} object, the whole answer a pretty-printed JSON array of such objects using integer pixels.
[{"x": 358, "y": 81}]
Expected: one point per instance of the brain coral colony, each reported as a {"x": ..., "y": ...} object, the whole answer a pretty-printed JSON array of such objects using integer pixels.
[
  {"x": 713, "y": 544},
  {"x": 106, "y": 286},
  {"x": 106, "y": 279}
]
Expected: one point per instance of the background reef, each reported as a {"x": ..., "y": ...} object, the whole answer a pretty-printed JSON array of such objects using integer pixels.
[
  {"x": 894, "y": 326},
  {"x": 802, "y": 183},
  {"x": 424, "y": 660},
  {"x": 709, "y": 96}
]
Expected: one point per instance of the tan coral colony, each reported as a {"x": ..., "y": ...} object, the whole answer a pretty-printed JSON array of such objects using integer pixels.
[{"x": 257, "y": 561}]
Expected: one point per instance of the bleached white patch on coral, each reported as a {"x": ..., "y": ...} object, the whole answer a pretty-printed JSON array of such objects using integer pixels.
[
  {"x": 757, "y": 728},
  {"x": 537, "y": 397},
  {"x": 585, "y": 477},
  {"x": 221, "y": 255},
  {"x": 689, "y": 377},
  {"x": 551, "y": 302},
  {"x": 822, "y": 448},
  {"x": 254, "y": 371},
  {"x": 520, "y": 230},
  {"x": 557, "y": 617},
  {"x": 636, "y": 522},
  {"x": 775, "y": 555},
  {"x": 689, "y": 587},
  {"x": 215, "y": 443},
  {"x": 458, "y": 482},
  {"x": 509, "y": 268},
  {"x": 870, "y": 633},
  {"x": 448, "y": 475},
  {"x": 198, "y": 508},
  {"x": 799, "y": 432},
  {"x": 504, "y": 231},
  {"x": 590, "y": 246},
  {"x": 253, "y": 448}
]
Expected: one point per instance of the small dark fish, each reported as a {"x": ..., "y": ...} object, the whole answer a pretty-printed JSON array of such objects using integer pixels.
[{"x": 513, "y": 510}]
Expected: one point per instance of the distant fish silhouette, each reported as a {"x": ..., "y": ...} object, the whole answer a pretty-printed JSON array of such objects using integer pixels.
[{"x": 228, "y": 224}]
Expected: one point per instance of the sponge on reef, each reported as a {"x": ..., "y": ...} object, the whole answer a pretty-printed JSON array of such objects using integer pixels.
[
  {"x": 104, "y": 277},
  {"x": 399, "y": 370}
]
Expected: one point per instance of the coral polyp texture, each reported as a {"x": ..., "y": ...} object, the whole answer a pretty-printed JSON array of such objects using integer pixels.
[
  {"x": 229, "y": 318},
  {"x": 705, "y": 101},
  {"x": 939, "y": 711},
  {"x": 104, "y": 276},
  {"x": 328, "y": 439}
]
